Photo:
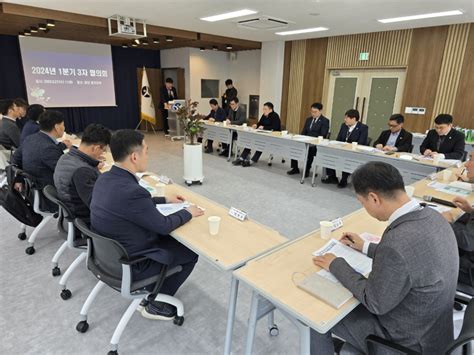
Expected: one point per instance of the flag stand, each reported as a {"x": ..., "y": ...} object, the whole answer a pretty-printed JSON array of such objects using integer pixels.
[{"x": 146, "y": 126}]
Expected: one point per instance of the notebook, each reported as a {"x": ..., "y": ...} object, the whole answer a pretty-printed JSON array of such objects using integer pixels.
[{"x": 330, "y": 292}]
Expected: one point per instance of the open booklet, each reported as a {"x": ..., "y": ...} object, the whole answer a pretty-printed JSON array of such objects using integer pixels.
[
  {"x": 169, "y": 208},
  {"x": 324, "y": 285}
]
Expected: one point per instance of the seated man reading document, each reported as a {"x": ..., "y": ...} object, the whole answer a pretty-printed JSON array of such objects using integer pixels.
[
  {"x": 408, "y": 296},
  {"x": 396, "y": 138},
  {"x": 125, "y": 211},
  {"x": 443, "y": 140}
]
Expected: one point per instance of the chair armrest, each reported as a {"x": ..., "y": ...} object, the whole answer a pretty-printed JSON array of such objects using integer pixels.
[
  {"x": 142, "y": 256},
  {"x": 133, "y": 260},
  {"x": 373, "y": 342}
]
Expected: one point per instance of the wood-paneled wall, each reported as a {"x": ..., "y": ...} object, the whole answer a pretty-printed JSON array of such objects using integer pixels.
[
  {"x": 286, "y": 83},
  {"x": 386, "y": 49},
  {"x": 464, "y": 102},
  {"x": 424, "y": 65},
  {"x": 440, "y": 71}
]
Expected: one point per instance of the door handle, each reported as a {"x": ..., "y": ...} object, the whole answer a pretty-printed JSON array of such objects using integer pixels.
[
  {"x": 357, "y": 103},
  {"x": 363, "y": 109}
]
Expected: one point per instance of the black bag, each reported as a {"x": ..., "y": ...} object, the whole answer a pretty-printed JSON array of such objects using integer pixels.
[{"x": 16, "y": 203}]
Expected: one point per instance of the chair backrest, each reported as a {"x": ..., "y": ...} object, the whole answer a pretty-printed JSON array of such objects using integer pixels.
[
  {"x": 369, "y": 140},
  {"x": 51, "y": 194},
  {"x": 464, "y": 156},
  {"x": 411, "y": 148},
  {"x": 103, "y": 255},
  {"x": 467, "y": 332}
]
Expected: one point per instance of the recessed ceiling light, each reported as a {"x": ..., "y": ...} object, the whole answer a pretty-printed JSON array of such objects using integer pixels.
[
  {"x": 422, "y": 16},
  {"x": 145, "y": 43},
  {"x": 214, "y": 48},
  {"x": 169, "y": 39},
  {"x": 124, "y": 46},
  {"x": 42, "y": 27},
  {"x": 229, "y": 15},
  {"x": 228, "y": 46},
  {"x": 137, "y": 41},
  {"x": 202, "y": 49},
  {"x": 156, "y": 41},
  {"x": 306, "y": 30},
  {"x": 134, "y": 45},
  {"x": 34, "y": 29},
  {"x": 21, "y": 34},
  {"x": 50, "y": 23},
  {"x": 27, "y": 33}
]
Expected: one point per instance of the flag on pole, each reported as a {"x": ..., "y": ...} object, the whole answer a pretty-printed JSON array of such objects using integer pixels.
[{"x": 147, "y": 107}]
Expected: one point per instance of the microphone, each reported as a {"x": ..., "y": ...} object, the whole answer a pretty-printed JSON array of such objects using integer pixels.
[{"x": 439, "y": 201}]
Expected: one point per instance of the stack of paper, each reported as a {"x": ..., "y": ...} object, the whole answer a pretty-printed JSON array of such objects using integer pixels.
[{"x": 169, "y": 208}]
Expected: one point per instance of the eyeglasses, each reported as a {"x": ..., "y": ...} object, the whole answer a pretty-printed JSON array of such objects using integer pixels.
[{"x": 393, "y": 125}]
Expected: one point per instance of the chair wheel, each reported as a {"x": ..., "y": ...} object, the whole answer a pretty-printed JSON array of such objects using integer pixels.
[
  {"x": 22, "y": 236},
  {"x": 112, "y": 352},
  {"x": 274, "y": 331},
  {"x": 82, "y": 326},
  {"x": 283, "y": 161},
  {"x": 269, "y": 164},
  {"x": 30, "y": 250},
  {"x": 178, "y": 320},
  {"x": 56, "y": 271},
  {"x": 200, "y": 182},
  {"x": 189, "y": 183},
  {"x": 66, "y": 294},
  {"x": 458, "y": 306}
]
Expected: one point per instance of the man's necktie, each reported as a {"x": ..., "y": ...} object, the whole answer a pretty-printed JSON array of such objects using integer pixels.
[{"x": 440, "y": 141}]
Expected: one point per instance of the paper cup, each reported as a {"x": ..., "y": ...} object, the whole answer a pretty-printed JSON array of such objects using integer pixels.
[
  {"x": 326, "y": 229},
  {"x": 447, "y": 174},
  {"x": 224, "y": 123},
  {"x": 214, "y": 222},
  {"x": 354, "y": 145},
  {"x": 244, "y": 124},
  {"x": 320, "y": 139},
  {"x": 160, "y": 189},
  {"x": 436, "y": 159},
  {"x": 410, "y": 190}
]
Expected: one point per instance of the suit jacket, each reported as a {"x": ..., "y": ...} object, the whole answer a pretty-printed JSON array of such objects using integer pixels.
[
  {"x": 359, "y": 134},
  {"x": 29, "y": 128},
  {"x": 218, "y": 115},
  {"x": 464, "y": 231},
  {"x": 38, "y": 156},
  {"x": 271, "y": 122},
  {"x": 9, "y": 133},
  {"x": 413, "y": 281},
  {"x": 165, "y": 97},
  {"x": 452, "y": 146},
  {"x": 320, "y": 128},
  {"x": 131, "y": 217},
  {"x": 237, "y": 117},
  {"x": 403, "y": 143},
  {"x": 229, "y": 95}
]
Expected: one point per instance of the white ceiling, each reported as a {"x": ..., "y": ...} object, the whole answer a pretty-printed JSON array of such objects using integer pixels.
[{"x": 340, "y": 16}]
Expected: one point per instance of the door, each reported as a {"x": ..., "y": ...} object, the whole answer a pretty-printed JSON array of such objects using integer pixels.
[{"x": 376, "y": 94}]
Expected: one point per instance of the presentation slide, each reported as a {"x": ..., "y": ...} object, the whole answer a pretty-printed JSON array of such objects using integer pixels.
[{"x": 67, "y": 73}]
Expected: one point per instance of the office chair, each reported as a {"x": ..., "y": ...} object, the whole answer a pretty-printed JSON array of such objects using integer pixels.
[
  {"x": 464, "y": 156},
  {"x": 411, "y": 148},
  {"x": 11, "y": 171},
  {"x": 112, "y": 266},
  {"x": 74, "y": 241},
  {"x": 464, "y": 340},
  {"x": 369, "y": 140},
  {"x": 47, "y": 216}
]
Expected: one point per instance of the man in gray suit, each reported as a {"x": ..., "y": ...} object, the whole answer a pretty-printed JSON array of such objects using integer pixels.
[
  {"x": 236, "y": 116},
  {"x": 408, "y": 297}
]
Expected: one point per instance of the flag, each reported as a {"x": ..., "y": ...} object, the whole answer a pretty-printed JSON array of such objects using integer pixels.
[{"x": 147, "y": 107}]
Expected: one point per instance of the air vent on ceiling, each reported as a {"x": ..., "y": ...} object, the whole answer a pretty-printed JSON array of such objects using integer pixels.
[{"x": 263, "y": 23}]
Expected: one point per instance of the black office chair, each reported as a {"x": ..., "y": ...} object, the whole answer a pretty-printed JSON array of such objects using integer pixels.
[
  {"x": 112, "y": 266},
  {"x": 464, "y": 156},
  {"x": 411, "y": 148},
  {"x": 37, "y": 197},
  {"x": 74, "y": 241},
  {"x": 462, "y": 342},
  {"x": 369, "y": 140}
]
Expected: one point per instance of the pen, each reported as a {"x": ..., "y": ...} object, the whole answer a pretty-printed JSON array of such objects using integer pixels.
[
  {"x": 350, "y": 239},
  {"x": 462, "y": 173}
]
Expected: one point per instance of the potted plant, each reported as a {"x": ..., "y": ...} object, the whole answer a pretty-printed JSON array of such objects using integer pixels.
[{"x": 192, "y": 125}]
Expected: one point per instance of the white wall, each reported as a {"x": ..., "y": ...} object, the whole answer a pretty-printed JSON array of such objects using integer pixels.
[
  {"x": 271, "y": 73},
  {"x": 244, "y": 71}
]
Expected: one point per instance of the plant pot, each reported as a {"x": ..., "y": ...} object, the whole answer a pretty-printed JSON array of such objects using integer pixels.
[{"x": 193, "y": 163}]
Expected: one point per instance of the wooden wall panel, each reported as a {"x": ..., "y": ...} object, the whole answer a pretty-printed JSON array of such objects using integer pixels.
[
  {"x": 451, "y": 69},
  {"x": 464, "y": 102},
  {"x": 424, "y": 66},
  {"x": 286, "y": 82},
  {"x": 295, "y": 88},
  {"x": 386, "y": 49},
  {"x": 313, "y": 78}
]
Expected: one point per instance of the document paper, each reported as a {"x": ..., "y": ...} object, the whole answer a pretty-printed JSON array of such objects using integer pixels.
[{"x": 169, "y": 208}]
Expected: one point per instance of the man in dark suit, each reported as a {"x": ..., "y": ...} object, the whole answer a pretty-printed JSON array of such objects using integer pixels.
[
  {"x": 236, "y": 116},
  {"x": 167, "y": 93},
  {"x": 131, "y": 218},
  {"x": 229, "y": 94},
  {"x": 40, "y": 152},
  {"x": 395, "y": 139},
  {"x": 270, "y": 121},
  {"x": 217, "y": 114},
  {"x": 9, "y": 131},
  {"x": 351, "y": 131},
  {"x": 408, "y": 296},
  {"x": 31, "y": 125},
  {"x": 315, "y": 126},
  {"x": 23, "y": 107},
  {"x": 443, "y": 140}
]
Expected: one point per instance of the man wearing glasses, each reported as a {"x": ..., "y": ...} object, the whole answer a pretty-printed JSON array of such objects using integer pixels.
[
  {"x": 443, "y": 140},
  {"x": 396, "y": 138}
]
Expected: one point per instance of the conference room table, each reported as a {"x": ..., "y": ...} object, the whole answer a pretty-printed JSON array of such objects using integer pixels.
[
  {"x": 272, "y": 279},
  {"x": 290, "y": 146},
  {"x": 342, "y": 156},
  {"x": 419, "y": 137},
  {"x": 236, "y": 243}
]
